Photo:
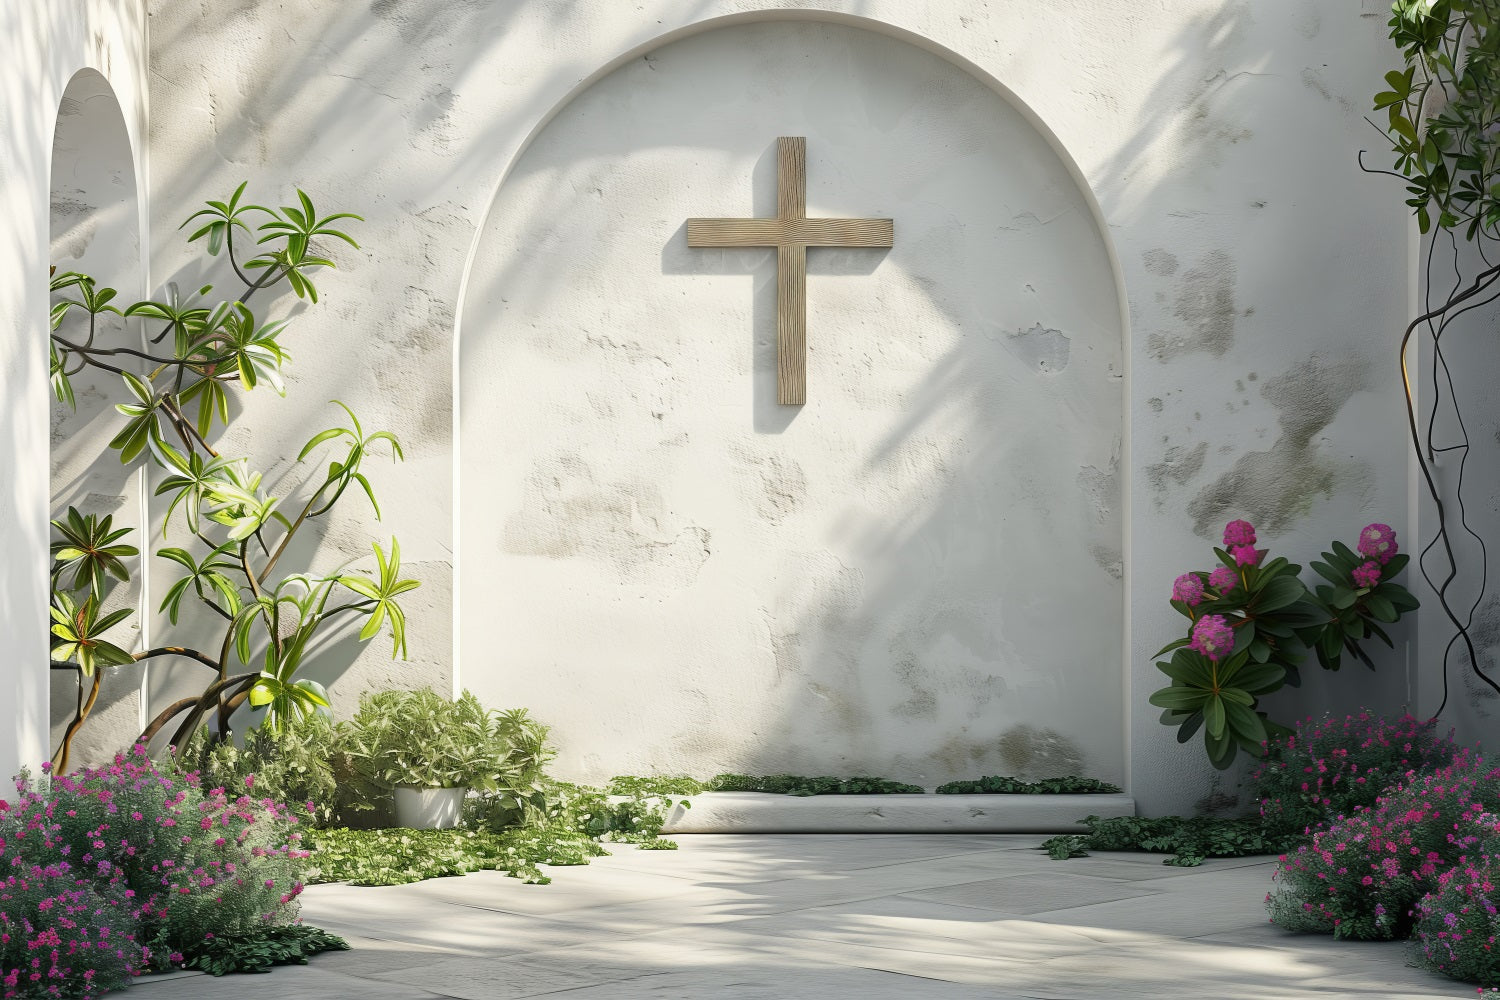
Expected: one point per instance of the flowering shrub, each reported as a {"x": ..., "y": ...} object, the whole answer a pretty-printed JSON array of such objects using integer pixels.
[
  {"x": 1334, "y": 767},
  {"x": 1457, "y": 923},
  {"x": 153, "y": 859},
  {"x": 62, "y": 933},
  {"x": 1361, "y": 877},
  {"x": 1254, "y": 622}
]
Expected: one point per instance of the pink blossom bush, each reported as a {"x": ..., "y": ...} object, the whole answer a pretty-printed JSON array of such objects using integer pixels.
[
  {"x": 1457, "y": 923},
  {"x": 1334, "y": 767},
  {"x": 1363, "y": 876},
  {"x": 63, "y": 932},
  {"x": 193, "y": 863}
]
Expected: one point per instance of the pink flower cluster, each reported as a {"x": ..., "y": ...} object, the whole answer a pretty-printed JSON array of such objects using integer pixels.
[
  {"x": 1188, "y": 589},
  {"x": 1378, "y": 542},
  {"x": 1367, "y": 574},
  {"x": 1213, "y": 637},
  {"x": 1223, "y": 579},
  {"x": 1239, "y": 539}
]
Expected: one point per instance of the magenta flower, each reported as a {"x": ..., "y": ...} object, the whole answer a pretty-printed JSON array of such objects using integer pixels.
[
  {"x": 1213, "y": 637},
  {"x": 1367, "y": 575},
  {"x": 1245, "y": 555},
  {"x": 1378, "y": 541},
  {"x": 1238, "y": 533},
  {"x": 1223, "y": 579},
  {"x": 1188, "y": 589}
]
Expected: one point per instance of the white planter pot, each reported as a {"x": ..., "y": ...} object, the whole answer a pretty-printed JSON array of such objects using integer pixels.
[{"x": 429, "y": 808}]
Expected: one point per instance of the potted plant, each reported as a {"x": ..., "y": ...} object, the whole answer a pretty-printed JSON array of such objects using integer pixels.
[{"x": 427, "y": 750}]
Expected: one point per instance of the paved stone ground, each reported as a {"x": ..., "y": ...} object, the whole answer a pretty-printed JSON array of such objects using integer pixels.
[{"x": 871, "y": 917}]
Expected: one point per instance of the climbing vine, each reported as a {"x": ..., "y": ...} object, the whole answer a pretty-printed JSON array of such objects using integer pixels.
[{"x": 1442, "y": 118}]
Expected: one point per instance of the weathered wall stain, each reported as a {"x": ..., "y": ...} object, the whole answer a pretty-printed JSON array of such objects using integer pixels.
[
  {"x": 569, "y": 514},
  {"x": 1179, "y": 465},
  {"x": 777, "y": 483},
  {"x": 1111, "y": 560},
  {"x": 1031, "y": 753},
  {"x": 1160, "y": 262},
  {"x": 1275, "y": 487},
  {"x": 1102, "y": 488},
  {"x": 1041, "y": 348},
  {"x": 1206, "y": 306}
]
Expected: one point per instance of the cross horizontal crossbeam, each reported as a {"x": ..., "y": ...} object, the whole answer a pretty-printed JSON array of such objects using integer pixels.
[{"x": 791, "y": 232}]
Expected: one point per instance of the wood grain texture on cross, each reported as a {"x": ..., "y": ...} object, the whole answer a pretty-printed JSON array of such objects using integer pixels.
[{"x": 791, "y": 232}]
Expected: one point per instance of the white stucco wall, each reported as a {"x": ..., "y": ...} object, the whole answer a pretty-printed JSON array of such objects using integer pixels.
[
  {"x": 43, "y": 46},
  {"x": 1218, "y": 140},
  {"x": 875, "y": 582}
]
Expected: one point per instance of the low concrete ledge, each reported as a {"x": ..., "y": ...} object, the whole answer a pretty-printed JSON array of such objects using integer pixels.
[{"x": 759, "y": 812}]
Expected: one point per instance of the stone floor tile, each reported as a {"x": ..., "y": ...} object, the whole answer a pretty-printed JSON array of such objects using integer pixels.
[
  {"x": 1181, "y": 914},
  {"x": 448, "y": 927},
  {"x": 1024, "y": 894},
  {"x": 572, "y": 888},
  {"x": 292, "y": 982},
  {"x": 918, "y": 925},
  {"x": 766, "y": 981}
]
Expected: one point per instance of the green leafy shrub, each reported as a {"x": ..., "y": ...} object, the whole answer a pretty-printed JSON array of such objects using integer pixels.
[
  {"x": 796, "y": 784},
  {"x": 421, "y": 738},
  {"x": 299, "y": 763},
  {"x": 1332, "y": 768},
  {"x": 1188, "y": 839},
  {"x": 1001, "y": 785}
]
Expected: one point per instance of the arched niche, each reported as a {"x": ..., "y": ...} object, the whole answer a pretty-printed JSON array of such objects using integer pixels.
[
  {"x": 95, "y": 229},
  {"x": 916, "y": 574}
]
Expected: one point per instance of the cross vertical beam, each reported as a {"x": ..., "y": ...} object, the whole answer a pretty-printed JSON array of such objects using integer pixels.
[{"x": 791, "y": 232}]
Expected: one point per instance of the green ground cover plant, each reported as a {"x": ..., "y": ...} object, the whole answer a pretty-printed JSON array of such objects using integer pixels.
[
  {"x": 1188, "y": 839},
  {"x": 671, "y": 784},
  {"x": 565, "y": 824},
  {"x": 796, "y": 784},
  {"x": 292, "y": 944},
  {"x": 1070, "y": 784}
]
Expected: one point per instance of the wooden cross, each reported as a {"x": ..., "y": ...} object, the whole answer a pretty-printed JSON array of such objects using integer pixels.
[{"x": 791, "y": 233}]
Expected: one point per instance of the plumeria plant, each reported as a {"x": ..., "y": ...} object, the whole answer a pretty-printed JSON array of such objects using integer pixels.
[
  {"x": 1254, "y": 622},
  {"x": 236, "y": 532}
]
